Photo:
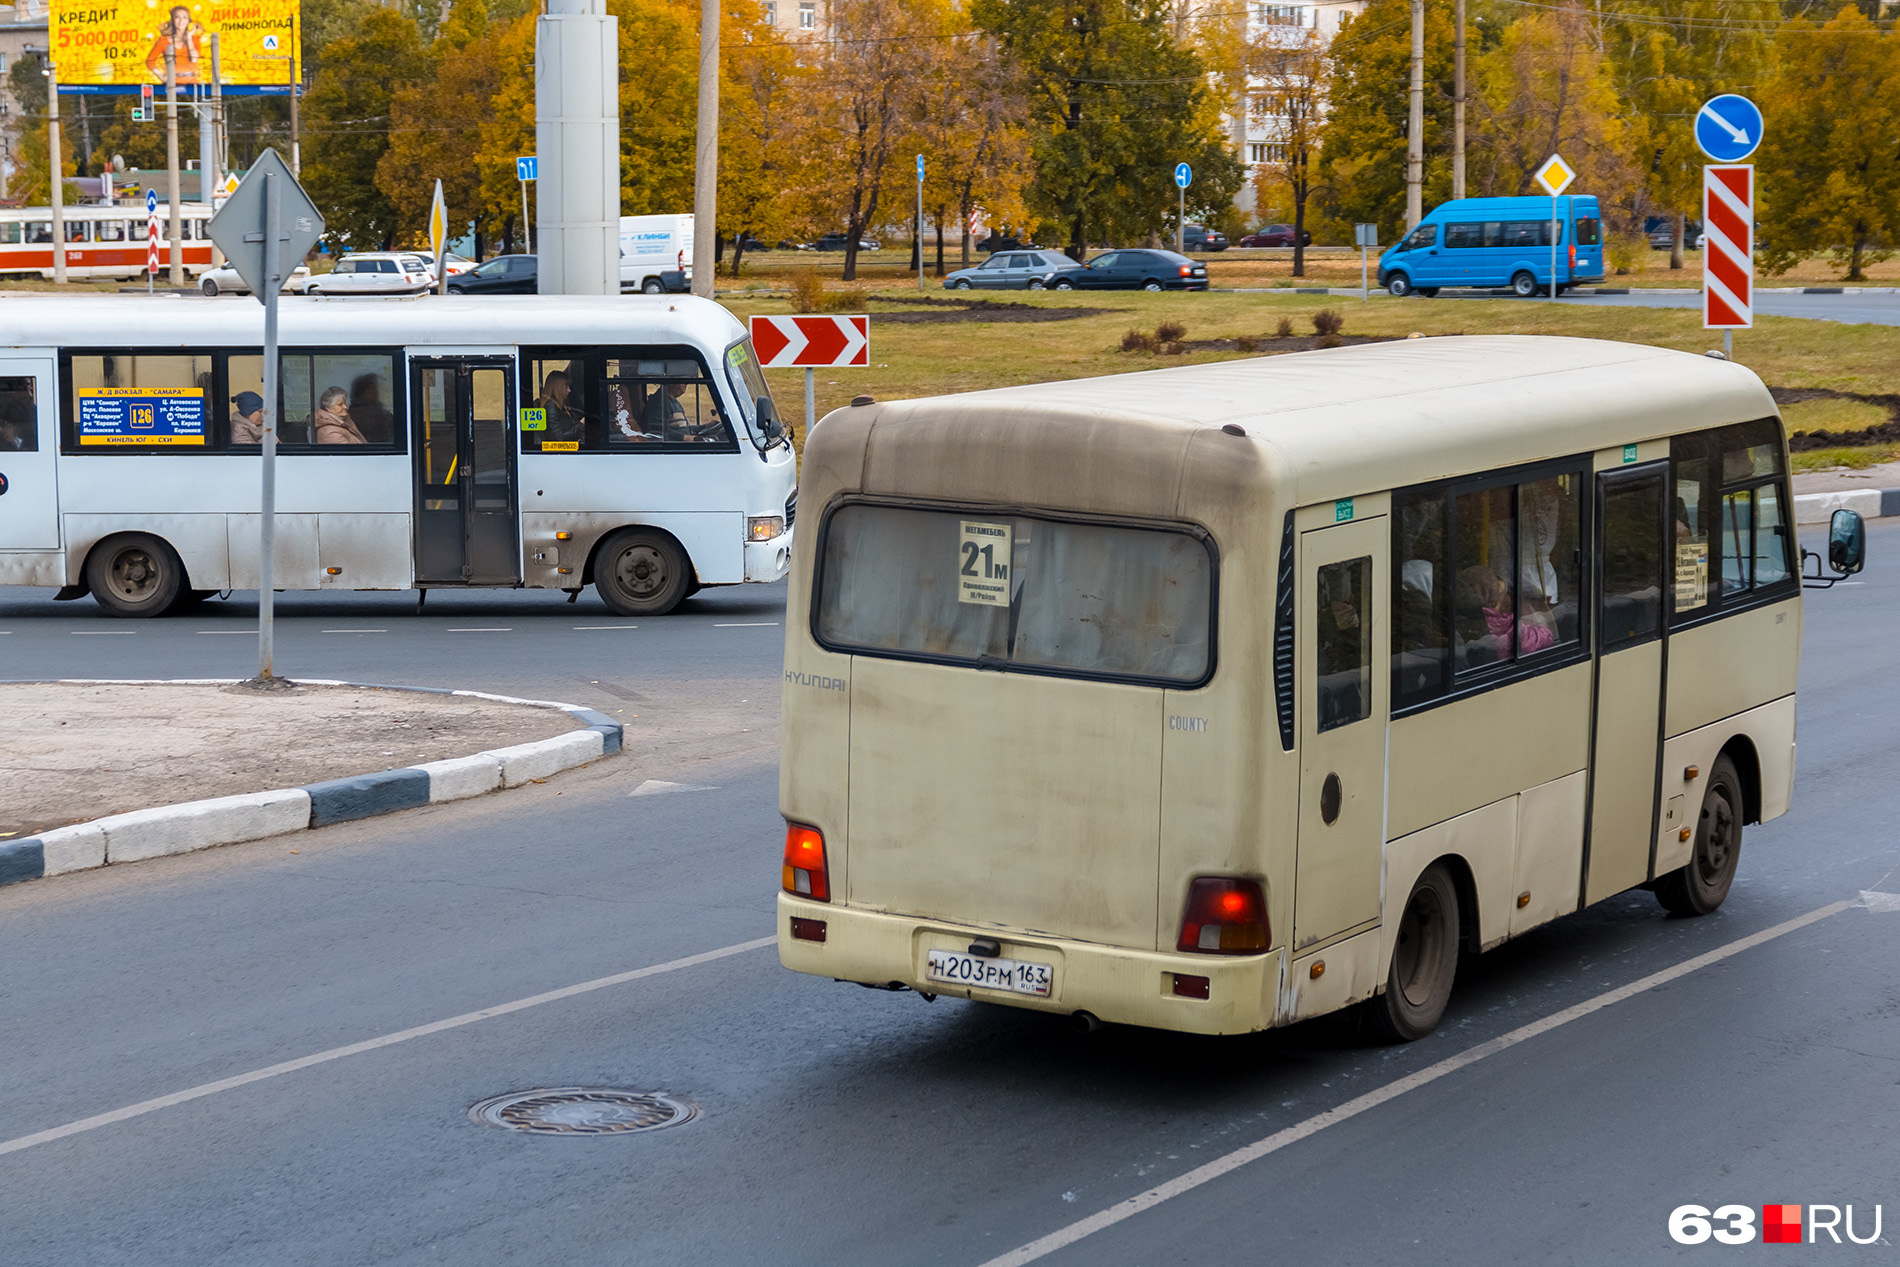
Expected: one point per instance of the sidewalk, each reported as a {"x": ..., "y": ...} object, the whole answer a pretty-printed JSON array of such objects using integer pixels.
[
  {"x": 72, "y": 752},
  {"x": 1874, "y": 491}
]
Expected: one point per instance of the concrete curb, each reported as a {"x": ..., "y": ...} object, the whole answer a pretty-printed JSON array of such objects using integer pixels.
[
  {"x": 230, "y": 820},
  {"x": 1872, "y": 503}
]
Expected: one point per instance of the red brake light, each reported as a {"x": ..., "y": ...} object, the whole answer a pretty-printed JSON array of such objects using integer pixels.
[
  {"x": 805, "y": 872},
  {"x": 1224, "y": 917},
  {"x": 1573, "y": 255}
]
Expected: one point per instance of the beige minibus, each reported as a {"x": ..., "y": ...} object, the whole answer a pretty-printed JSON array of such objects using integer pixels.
[{"x": 1219, "y": 697}]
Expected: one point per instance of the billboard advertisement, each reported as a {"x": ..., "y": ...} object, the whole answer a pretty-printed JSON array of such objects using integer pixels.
[{"x": 119, "y": 45}]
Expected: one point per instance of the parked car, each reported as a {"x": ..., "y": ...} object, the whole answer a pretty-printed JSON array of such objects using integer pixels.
[
  {"x": 1276, "y": 235},
  {"x": 1008, "y": 242},
  {"x": 836, "y": 241},
  {"x": 1010, "y": 270},
  {"x": 1661, "y": 230},
  {"x": 503, "y": 275},
  {"x": 1196, "y": 237},
  {"x": 377, "y": 273},
  {"x": 1133, "y": 270},
  {"x": 224, "y": 280}
]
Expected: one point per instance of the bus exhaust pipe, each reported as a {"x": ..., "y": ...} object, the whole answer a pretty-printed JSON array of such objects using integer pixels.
[{"x": 1085, "y": 1022}]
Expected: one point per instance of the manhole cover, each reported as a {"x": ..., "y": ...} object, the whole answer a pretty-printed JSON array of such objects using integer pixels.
[{"x": 583, "y": 1111}]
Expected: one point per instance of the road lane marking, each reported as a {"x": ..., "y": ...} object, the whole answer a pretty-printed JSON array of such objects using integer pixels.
[
  {"x": 247, "y": 633},
  {"x": 1220, "y": 1166},
  {"x": 373, "y": 1044},
  {"x": 102, "y": 633},
  {"x": 356, "y": 631},
  {"x": 750, "y": 624},
  {"x": 495, "y": 629},
  {"x": 606, "y": 626}
]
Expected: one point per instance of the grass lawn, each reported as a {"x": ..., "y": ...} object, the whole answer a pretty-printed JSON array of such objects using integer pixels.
[{"x": 933, "y": 357}]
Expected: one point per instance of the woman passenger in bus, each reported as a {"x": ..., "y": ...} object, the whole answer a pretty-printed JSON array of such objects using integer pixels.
[
  {"x": 564, "y": 422},
  {"x": 332, "y": 423}
]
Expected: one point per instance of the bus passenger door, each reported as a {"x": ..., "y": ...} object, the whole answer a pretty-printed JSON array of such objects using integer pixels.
[
  {"x": 466, "y": 529},
  {"x": 29, "y": 452},
  {"x": 1342, "y": 705},
  {"x": 1627, "y": 709}
]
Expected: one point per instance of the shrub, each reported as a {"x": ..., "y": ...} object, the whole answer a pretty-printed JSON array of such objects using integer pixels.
[
  {"x": 1285, "y": 329},
  {"x": 1627, "y": 251},
  {"x": 1137, "y": 341},
  {"x": 1326, "y": 322},
  {"x": 809, "y": 293},
  {"x": 1246, "y": 343},
  {"x": 1170, "y": 332},
  {"x": 1330, "y": 341},
  {"x": 1170, "y": 349}
]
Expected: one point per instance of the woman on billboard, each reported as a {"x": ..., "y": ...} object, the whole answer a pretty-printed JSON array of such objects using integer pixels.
[{"x": 180, "y": 34}]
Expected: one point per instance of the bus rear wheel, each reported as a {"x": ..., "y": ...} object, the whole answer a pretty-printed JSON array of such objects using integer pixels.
[
  {"x": 642, "y": 573},
  {"x": 1424, "y": 961},
  {"x": 1700, "y": 886},
  {"x": 135, "y": 575},
  {"x": 1524, "y": 286}
]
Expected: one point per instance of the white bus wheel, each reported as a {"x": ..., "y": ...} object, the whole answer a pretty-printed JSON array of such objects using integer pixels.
[
  {"x": 641, "y": 573},
  {"x": 1700, "y": 886},
  {"x": 210, "y": 287},
  {"x": 1424, "y": 961},
  {"x": 135, "y": 575}
]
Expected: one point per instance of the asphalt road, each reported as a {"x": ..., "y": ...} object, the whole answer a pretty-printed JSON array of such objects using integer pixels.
[
  {"x": 845, "y": 1125},
  {"x": 1853, "y": 309}
]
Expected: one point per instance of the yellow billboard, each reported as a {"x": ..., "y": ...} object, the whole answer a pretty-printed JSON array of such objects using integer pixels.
[{"x": 118, "y": 45}]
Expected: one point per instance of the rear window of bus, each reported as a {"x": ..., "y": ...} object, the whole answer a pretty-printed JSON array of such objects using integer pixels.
[{"x": 1018, "y": 592}]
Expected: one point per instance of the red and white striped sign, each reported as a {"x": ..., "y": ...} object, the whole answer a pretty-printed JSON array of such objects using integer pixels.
[
  {"x": 811, "y": 341},
  {"x": 1728, "y": 246},
  {"x": 151, "y": 243}
]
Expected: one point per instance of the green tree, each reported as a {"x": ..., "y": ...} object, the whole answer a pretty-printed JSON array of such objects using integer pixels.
[
  {"x": 346, "y": 122},
  {"x": 1115, "y": 101},
  {"x": 1827, "y": 179}
]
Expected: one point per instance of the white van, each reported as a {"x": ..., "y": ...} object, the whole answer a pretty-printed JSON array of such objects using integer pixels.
[{"x": 656, "y": 254}]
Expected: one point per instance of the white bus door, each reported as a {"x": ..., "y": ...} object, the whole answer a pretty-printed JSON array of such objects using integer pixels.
[
  {"x": 29, "y": 451},
  {"x": 464, "y": 436},
  {"x": 1627, "y": 726},
  {"x": 1342, "y": 707}
]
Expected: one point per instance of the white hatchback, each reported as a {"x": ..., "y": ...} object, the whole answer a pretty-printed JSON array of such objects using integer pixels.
[
  {"x": 383, "y": 273},
  {"x": 224, "y": 280}
]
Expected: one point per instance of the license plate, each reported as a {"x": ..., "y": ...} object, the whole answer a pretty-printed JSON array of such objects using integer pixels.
[{"x": 1011, "y": 975}]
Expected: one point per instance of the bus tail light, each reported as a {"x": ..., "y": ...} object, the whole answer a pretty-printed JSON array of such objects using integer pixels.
[
  {"x": 1225, "y": 916},
  {"x": 805, "y": 872},
  {"x": 1573, "y": 255}
]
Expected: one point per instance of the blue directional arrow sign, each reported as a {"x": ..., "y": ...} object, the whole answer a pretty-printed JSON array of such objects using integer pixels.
[
  {"x": 920, "y": 167},
  {"x": 526, "y": 167},
  {"x": 151, "y": 202},
  {"x": 1728, "y": 128},
  {"x": 1183, "y": 175}
]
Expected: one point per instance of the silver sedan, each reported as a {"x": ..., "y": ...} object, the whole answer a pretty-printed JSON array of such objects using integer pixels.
[{"x": 1010, "y": 270}]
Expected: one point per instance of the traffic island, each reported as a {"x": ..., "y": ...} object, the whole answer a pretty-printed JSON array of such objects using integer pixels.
[{"x": 107, "y": 772}]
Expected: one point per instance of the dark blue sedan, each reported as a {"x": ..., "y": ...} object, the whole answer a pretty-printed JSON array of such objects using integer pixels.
[{"x": 1134, "y": 270}]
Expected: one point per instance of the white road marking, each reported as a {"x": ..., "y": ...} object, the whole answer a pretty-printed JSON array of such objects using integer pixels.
[
  {"x": 373, "y": 1044},
  {"x": 102, "y": 633},
  {"x": 490, "y": 629},
  {"x": 247, "y": 633},
  {"x": 355, "y": 631},
  {"x": 750, "y": 624},
  {"x": 606, "y": 626},
  {"x": 656, "y": 787},
  {"x": 1220, "y": 1166},
  {"x": 1880, "y": 903}
]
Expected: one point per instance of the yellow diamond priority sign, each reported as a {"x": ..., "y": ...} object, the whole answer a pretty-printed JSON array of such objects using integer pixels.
[{"x": 1555, "y": 175}]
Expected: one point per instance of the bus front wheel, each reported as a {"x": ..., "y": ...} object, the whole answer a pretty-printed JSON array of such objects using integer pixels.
[
  {"x": 135, "y": 575},
  {"x": 1398, "y": 285},
  {"x": 642, "y": 573},
  {"x": 1699, "y": 887},
  {"x": 1424, "y": 961}
]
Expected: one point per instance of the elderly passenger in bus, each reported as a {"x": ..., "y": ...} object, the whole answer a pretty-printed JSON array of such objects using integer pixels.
[
  {"x": 332, "y": 424},
  {"x": 247, "y": 418}
]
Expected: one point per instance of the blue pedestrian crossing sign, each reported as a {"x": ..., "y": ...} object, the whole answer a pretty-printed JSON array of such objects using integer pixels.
[
  {"x": 1728, "y": 128},
  {"x": 526, "y": 168},
  {"x": 1183, "y": 175}
]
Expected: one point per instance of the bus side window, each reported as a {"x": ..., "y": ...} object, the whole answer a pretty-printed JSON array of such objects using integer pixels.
[
  {"x": 1419, "y": 641},
  {"x": 1342, "y": 652},
  {"x": 19, "y": 416},
  {"x": 10, "y": 233}
]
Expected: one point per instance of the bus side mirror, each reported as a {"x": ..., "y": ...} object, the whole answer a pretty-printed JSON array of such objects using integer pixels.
[
  {"x": 1846, "y": 542},
  {"x": 769, "y": 425}
]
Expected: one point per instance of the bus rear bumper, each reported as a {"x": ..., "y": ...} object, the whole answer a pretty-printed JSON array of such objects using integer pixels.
[{"x": 1111, "y": 983}]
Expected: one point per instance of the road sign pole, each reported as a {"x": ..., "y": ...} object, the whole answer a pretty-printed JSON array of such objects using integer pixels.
[
  {"x": 1553, "y": 248},
  {"x": 1180, "y": 221},
  {"x": 1365, "y": 286},
  {"x": 267, "y": 490},
  {"x": 920, "y": 222},
  {"x": 526, "y": 242},
  {"x": 811, "y": 401}
]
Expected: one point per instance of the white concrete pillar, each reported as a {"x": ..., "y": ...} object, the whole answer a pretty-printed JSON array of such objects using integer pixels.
[{"x": 577, "y": 139}]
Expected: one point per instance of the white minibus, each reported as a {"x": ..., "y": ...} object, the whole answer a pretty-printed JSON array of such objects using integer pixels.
[
  {"x": 656, "y": 253},
  {"x": 1219, "y": 697},
  {"x": 542, "y": 442}
]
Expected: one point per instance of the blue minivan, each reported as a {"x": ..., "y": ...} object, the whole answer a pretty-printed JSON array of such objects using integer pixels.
[{"x": 1498, "y": 242}]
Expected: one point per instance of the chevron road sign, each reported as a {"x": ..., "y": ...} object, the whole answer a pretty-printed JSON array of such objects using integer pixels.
[
  {"x": 811, "y": 341},
  {"x": 1728, "y": 246}
]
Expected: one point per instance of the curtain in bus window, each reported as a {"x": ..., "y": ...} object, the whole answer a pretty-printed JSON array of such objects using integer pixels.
[
  {"x": 1484, "y": 612},
  {"x": 1548, "y": 593},
  {"x": 1341, "y": 649},
  {"x": 979, "y": 587},
  {"x": 1419, "y": 644},
  {"x": 19, "y": 416},
  {"x": 1691, "y": 523}
]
